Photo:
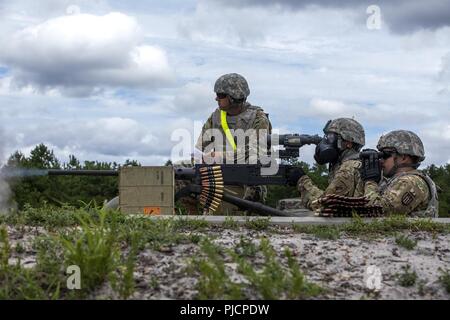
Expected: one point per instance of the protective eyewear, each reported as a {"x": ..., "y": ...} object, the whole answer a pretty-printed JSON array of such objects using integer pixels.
[
  {"x": 221, "y": 95},
  {"x": 387, "y": 154}
]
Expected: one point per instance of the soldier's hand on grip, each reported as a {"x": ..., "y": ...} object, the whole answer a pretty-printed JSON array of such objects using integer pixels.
[{"x": 370, "y": 165}]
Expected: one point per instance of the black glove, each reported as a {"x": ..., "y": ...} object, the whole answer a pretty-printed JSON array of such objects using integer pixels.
[
  {"x": 370, "y": 165},
  {"x": 295, "y": 174}
]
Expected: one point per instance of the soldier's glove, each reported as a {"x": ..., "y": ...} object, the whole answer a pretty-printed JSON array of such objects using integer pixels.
[
  {"x": 370, "y": 165},
  {"x": 294, "y": 175}
]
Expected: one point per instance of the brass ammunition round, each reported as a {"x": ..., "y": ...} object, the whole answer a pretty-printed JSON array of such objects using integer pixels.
[
  {"x": 213, "y": 183},
  {"x": 206, "y": 172},
  {"x": 209, "y": 168},
  {"x": 213, "y": 189},
  {"x": 210, "y": 172},
  {"x": 214, "y": 175},
  {"x": 211, "y": 178},
  {"x": 211, "y": 200}
]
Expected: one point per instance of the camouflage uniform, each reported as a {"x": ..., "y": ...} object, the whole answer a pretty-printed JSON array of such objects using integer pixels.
[
  {"x": 411, "y": 192},
  {"x": 344, "y": 177},
  {"x": 344, "y": 180},
  {"x": 251, "y": 117}
]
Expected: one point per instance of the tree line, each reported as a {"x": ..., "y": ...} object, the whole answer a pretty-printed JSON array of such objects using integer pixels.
[{"x": 80, "y": 190}]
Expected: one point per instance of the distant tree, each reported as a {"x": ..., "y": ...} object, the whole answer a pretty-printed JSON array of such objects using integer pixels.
[
  {"x": 73, "y": 190},
  {"x": 441, "y": 176},
  {"x": 131, "y": 163},
  {"x": 43, "y": 158}
]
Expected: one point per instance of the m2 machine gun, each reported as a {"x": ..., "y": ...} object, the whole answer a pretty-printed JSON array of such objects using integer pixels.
[{"x": 151, "y": 189}]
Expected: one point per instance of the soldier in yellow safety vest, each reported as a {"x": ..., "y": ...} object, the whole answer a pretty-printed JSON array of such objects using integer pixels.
[{"x": 233, "y": 113}]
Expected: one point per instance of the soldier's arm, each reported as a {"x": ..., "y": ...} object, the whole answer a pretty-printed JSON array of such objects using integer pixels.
[
  {"x": 309, "y": 192},
  {"x": 344, "y": 180},
  {"x": 262, "y": 122},
  {"x": 402, "y": 197},
  {"x": 248, "y": 152},
  {"x": 206, "y": 126}
]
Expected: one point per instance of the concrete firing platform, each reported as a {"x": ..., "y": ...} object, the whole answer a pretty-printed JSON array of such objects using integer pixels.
[{"x": 282, "y": 221}]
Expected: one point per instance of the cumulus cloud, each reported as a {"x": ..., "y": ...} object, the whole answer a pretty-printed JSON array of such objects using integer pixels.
[
  {"x": 113, "y": 137},
  {"x": 401, "y": 16},
  {"x": 195, "y": 99},
  {"x": 444, "y": 73},
  {"x": 436, "y": 139},
  {"x": 224, "y": 25},
  {"x": 82, "y": 53},
  {"x": 381, "y": 115}
]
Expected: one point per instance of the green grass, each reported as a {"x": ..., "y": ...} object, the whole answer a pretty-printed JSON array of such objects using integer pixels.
[
  {"x": 407, "y": 278},
  {"x": 274, "y": 278},
  {"x": 258, "y": 224},
  {"x": 444, "y": 278},
  {"x": 106, "y": 244},
  {"x": 19, "y": 283},
  {"x": 246, "y": 248},
  {"x": 327, "y": 232},
  {"x": 405, "y": 242},
  {"x": 230, "y": 223},
  {"x": 388, "y": 226},
  {"x": 94, "y": 249},
  {"x": 214, "y": 282},
  {"x": 91, "y": 238}
]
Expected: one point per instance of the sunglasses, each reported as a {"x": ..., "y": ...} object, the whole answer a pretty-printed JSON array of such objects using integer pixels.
[
  {"x": 387, "y": 154},
  {"x": 221, "y": 95}
]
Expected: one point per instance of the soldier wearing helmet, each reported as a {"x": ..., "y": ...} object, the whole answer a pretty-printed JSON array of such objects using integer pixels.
[
  {"x": 405, "y": 189},
  {"x": 233, "y": 113},
  {"x": 340, "y": 146}
]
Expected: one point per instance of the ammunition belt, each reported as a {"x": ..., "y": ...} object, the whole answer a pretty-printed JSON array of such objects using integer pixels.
[
  {"x": 339, "y": 206},
  {"x": 212, "y": 188}
]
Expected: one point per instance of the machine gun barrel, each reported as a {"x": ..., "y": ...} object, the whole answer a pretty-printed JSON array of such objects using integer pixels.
[
  {"x": 61, "y": 172},
  {"x": 255, "y": 206}
]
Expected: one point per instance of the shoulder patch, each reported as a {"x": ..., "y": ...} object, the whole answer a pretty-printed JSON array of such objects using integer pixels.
[{"x": 407, "y": 198}]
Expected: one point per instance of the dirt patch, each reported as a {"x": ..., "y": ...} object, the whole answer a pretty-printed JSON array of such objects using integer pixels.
[{"x": 341, "y": 266}]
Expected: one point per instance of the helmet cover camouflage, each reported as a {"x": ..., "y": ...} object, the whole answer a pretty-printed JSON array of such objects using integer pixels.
[
  {"x": 349, "y": 129},
  {"x": 404, "y": 142},
  {"x": 232, "y": 84}
]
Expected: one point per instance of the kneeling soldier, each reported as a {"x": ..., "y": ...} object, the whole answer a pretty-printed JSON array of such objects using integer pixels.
[{"x": 405, "y": 190}]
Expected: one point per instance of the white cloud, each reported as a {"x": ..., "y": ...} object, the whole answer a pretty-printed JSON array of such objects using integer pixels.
[
  {"x": 436, "y": 139},
  {"x": 444, "y": 73},
  {"x": 108, "y": 138},
  {"x": 195, "y": 99},
  {"x": 381, "y": 115},
  {"x": 303, "y": 67},
  {"x": 80, "y": 54}
]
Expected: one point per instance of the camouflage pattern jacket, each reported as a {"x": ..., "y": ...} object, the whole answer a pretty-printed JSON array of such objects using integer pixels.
[
  {"x": 411, "y": 193},
  {"x": 252, "y": 117},
  {"x": 344, "y": 179}
]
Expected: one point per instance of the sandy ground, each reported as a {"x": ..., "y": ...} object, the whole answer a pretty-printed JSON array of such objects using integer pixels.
[{"x": 342, "y": 266}]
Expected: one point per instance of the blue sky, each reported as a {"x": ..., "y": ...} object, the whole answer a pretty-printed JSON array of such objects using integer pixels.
[{"x": 111, "y": 80}]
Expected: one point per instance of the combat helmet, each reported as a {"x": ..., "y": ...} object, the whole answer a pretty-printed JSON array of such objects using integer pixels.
[
  {"x": 404, "y": 142},
  {"x": 349, "y": 129},
  {"x": 234, "y": 85}
]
